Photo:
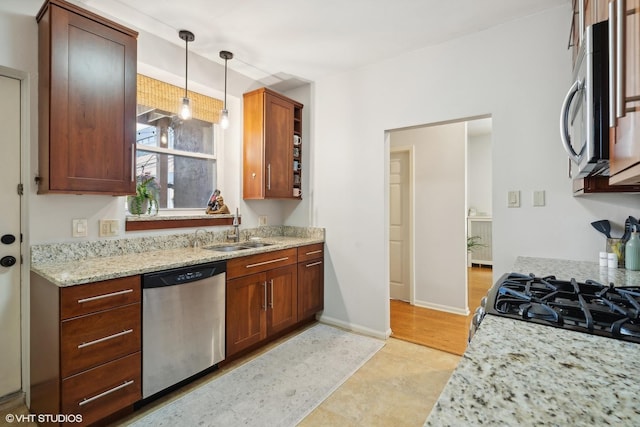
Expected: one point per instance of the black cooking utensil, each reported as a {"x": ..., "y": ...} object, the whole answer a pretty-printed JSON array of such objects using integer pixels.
[{"x": 603, "y": 226}]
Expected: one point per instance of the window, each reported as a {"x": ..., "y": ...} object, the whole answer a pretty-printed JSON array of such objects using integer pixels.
[{"x": 180, "y": 155}]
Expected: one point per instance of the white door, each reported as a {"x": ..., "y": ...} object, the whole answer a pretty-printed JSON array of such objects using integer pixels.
[
  {"x": 399, "y": 226},
  {"x": 10, "y": 372}
]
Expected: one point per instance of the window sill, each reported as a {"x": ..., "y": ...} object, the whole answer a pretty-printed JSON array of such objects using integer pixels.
[{"x": 141, "y": 223}]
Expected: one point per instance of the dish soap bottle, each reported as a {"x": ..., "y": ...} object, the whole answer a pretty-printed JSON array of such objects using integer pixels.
[{"x": 632, "y": 251}]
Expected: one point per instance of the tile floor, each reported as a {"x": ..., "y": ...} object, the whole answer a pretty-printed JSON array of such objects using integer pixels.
[{"x": 398, "y": 386}]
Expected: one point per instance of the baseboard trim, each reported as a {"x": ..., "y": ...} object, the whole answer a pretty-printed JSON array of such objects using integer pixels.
[
  {"x": 445, "y": 308},
  {"x": 354, "y": 328},
  {"x": 12, "y": 400}
]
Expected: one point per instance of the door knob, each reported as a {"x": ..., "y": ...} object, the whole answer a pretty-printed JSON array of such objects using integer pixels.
[
  {"x": 7, "y": 261},
  {"x": 8, "y": 239}
]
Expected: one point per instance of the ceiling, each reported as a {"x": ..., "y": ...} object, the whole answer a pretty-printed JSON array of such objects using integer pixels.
[{"x": 303, "y": 40}]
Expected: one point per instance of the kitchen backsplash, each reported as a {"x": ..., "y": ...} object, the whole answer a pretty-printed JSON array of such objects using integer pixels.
[{"x": 63, "y": 252}]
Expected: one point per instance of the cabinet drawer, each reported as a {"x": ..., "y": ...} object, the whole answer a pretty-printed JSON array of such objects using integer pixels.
[
  {"x": 101, "y": 391},
  {"x": 239, "y": 267},
  {"x": 94, "y": 339},
  {"x": 309, "y": 252},
  {"x": 90, "y": 298}
]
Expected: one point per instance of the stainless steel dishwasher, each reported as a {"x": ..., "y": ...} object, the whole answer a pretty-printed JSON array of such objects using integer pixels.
[{"x": 183, "y": 324}]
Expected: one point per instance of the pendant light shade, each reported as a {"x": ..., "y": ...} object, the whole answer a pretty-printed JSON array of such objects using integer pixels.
[
  {"x": 224, "y": 114},
  {"x": 185, "y": 103}
]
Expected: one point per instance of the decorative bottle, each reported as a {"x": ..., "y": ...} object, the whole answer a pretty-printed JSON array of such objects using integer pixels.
[{"x": 632, "y": 251}]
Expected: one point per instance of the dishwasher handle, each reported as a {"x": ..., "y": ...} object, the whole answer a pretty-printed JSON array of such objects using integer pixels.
[{"x": 182, "y": 275}]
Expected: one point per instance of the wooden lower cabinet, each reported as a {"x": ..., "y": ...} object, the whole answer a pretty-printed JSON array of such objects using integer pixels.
[
  {"x": 85, "y": 348},
  {"x": 260, "y": 305},
  {"x": 270, "y": 293},
  {"x": 310, "y": 280}
]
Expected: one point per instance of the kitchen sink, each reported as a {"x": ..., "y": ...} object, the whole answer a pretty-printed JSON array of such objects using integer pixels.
[
  {"x": 238, "y": 247},
  {"x": 256, "y": 244},
  {"x": 229, "y": 248}
]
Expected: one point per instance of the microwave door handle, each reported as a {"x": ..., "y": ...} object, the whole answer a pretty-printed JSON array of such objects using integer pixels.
[{"x": 564, "y": 122}]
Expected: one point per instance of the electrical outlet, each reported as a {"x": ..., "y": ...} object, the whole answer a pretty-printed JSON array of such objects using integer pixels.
[
  {"x": 262, "y": 220},
  {"x": 79, "y": 227},
  {"x": 109, "y": 227},
  {"x": 538, "y": 198}
]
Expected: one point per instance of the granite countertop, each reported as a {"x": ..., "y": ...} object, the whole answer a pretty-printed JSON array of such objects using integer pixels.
[
  {"x": 62, "y": 265},
  {"x": 525, "y": 374}
]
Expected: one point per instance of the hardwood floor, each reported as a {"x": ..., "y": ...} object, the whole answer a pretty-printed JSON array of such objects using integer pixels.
[{"x": 437, "y": 329}]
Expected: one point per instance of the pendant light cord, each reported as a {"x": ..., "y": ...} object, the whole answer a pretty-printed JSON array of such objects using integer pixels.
[
  {"x": 225, "y": 83},
  {"x": 186, "y": 65}
]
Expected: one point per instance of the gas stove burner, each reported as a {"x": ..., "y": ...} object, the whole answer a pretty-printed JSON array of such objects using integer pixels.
[
  {"x": 539, "y": 311},
  {"x": 588, "y": 306}
]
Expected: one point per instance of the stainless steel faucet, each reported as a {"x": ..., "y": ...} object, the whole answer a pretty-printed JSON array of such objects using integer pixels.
[
  {"x": 196, "y": 240},
  {"x": 236, "y": 233}
]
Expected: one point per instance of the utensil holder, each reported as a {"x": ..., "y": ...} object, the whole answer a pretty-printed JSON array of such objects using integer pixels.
[{"x": 616, "y": 246}]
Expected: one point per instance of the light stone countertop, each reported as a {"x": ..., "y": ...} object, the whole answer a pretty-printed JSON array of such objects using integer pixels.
[
  {"x": 61, "y": 264},
  {"x": 517, "y": 373}
]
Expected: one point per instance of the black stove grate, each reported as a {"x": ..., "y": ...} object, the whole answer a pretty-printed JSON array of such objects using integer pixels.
[{"x": 588, "y": 306}]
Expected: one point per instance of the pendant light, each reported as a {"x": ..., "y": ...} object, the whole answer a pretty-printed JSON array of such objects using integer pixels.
[
  {"x": 224, "y": 114},
  {"x": 185, "y": 104}
]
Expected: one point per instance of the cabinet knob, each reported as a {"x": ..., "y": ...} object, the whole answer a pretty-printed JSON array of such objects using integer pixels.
[
  {"x": 8, "y": 239},
  {"x": 7, "y": 261}
]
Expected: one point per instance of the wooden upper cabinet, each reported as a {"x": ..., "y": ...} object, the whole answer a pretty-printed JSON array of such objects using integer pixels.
[
  {"x": 271, "y": 160},
  {"x": 625, "y": 136},
  {"x": 87, "y": 102},
  {"x": 585, "y": 13}
]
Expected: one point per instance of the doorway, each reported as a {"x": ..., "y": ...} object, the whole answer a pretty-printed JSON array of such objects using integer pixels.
[
  {"x": 400, "y": 224},
  {"x": 447, "y": 169},
  {"x": 10, "y": 246}
]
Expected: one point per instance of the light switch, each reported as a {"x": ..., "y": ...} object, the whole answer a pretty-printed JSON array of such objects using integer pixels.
[
  {"x": 79, "y": 228},
  {"x": 262, "y": 220},
  {"x": 538, "y": 198},
  {"x": 513, "y": 199}
]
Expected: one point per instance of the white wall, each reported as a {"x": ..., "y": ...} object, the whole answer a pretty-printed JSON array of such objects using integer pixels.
[
  {"x": 517, "y": 73},
  {"x": 479, "y": 170},
  {"x": 439, "y": 214}
]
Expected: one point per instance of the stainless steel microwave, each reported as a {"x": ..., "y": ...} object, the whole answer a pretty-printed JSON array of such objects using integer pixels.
[{"x": 584, "y": 118}]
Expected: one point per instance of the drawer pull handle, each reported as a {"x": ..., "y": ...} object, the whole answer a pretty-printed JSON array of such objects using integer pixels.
[
  {"x": 313, "y": 264},
  {"x": 258, "y": 264},
  {"x": 314, "y": 252},
  {"x": 104, "y": 393},
  {"x": 271, "y": 284},
  {"x": 110, "y": 337},
  {"x": 112, "y": 294},
  {"x": 264, "y": 285}
]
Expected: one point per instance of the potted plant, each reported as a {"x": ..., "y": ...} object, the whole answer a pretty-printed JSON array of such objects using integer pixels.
[
  {"x": 473, "y": 242},
  {"x": 145, "y": 200}
]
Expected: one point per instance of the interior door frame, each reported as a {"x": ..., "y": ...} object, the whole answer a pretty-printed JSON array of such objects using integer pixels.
[
  {"x": 411, "y": 223},
  {"x": 25, "y": 265}
]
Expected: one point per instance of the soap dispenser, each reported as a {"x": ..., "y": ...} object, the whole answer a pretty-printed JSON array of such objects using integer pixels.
[{"x": 632, "y": 251}]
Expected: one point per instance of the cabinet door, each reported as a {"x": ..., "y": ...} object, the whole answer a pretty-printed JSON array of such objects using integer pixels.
[
  {"x": 283, "y": 298},
  {"x": 625, "y": 147},
  {"x": 278, "y": 147},
  {"x": 93, "y": 106},
  {"x": 310, "y": 288},
  {"x": 246, "y": 312}
]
